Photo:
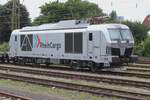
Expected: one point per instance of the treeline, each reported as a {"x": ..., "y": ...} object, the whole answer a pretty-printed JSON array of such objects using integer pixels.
[{"x": 72, "y": 9}]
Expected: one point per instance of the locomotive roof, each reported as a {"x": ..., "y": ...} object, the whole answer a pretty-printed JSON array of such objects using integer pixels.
[
  {"x": 69, "y": 24},
  {"x": 66, "y": 24}
]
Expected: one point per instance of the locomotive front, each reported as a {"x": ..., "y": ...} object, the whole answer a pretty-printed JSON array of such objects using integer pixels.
[{"x": 121, "y": 44}]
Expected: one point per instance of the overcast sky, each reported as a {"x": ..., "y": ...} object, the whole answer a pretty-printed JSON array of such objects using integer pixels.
[{"x": 130, "y": 9}]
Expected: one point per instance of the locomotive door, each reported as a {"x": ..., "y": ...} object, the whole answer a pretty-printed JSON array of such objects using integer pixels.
[
  {"x": 97, "y": 45},
  {"x": 90, "y": 45}
]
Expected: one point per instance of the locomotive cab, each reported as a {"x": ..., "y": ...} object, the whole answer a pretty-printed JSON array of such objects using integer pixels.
[
  {"x": 110, "y": 44},
  {"x": 121, "y": 44}
]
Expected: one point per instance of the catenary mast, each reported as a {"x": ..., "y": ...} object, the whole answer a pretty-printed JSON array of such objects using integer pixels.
[{"x": 15, "y": 15}]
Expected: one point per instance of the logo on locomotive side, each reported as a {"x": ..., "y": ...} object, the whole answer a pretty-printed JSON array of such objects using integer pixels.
[
  {"x": 38, "y": 43},
  {"x": 36, "y": 40}
]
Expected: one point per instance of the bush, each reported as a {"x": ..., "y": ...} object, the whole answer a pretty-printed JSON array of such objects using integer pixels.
[
  {"x": 138, "y": 29},
  {"x": 146, "y": 47},
  {"x": 138, "y": 49},
  {"x": 143, "y": 48},
  {"x": 4, "y": 47}
]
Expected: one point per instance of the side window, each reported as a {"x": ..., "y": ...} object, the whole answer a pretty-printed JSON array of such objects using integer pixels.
[
  {"x": 90, "y": 36},
  {"x": 15, "y": 38}
]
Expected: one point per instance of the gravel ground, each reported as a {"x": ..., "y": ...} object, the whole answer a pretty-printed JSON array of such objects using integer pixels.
[{"x": 30, "y": 95}]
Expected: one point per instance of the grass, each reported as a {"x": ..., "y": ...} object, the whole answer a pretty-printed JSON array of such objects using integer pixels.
[{"x": 66, "y": 94}]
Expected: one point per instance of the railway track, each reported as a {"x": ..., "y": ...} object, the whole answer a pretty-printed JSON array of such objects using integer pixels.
[
  {"x": 143, "y": 60},
  {"x": 126, "y": 81},
  {"x": 7, "y": 96},
  {"x": 138, "y": 69},
  {"x": 130, "y": 74},
  {"x": 118, "y": 73},
  {"x": 100, "y": 90},
  {"x": 140, "y": 65}
]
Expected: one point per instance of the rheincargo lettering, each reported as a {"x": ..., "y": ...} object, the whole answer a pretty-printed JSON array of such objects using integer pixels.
[{"x": 50, "y": 45}]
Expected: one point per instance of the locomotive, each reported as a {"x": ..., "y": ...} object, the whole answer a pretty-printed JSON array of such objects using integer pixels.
[{"x": 73, "y": 42}]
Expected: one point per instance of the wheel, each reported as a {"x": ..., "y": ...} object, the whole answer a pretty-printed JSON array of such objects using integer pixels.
[
  {"x": 75, "y": 65},
  {"x": 14, "y": 60},
  {"x": 92, "y": 66},
  {"x": 7, "y": 60},
  {"x": 22, "y": 62},
  {"x": 34, "y": 62},
  {"x": 2, "y": 60},
  {"x": 47, "y": 64}
]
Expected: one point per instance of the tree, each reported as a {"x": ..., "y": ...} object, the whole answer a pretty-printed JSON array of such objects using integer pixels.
[
  {"x": 138, "y": 29},
  {"x": 113, "y": 15},
  {"x": 24, "y": 15},
  {"x": 142, "y": 43},
  {"x": 143, "y": 49},
  {"x": 72, "y": 9},
  {"x": 5, "y": 23},
  {"x": 5, "y": 20}
]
